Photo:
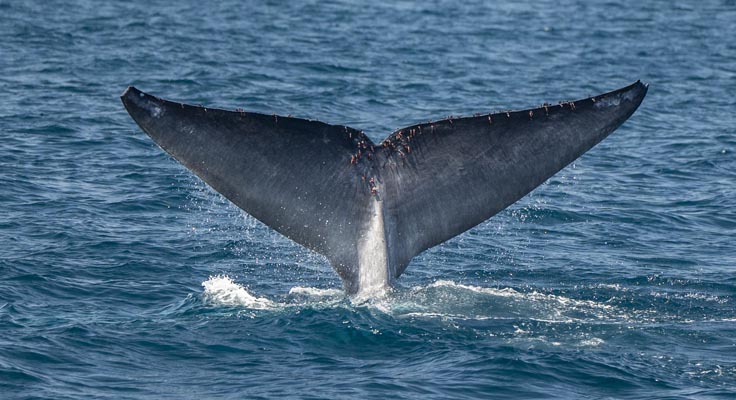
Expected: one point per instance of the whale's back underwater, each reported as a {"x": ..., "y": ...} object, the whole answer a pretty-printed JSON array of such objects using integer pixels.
[{"x": 370, "y": 208}]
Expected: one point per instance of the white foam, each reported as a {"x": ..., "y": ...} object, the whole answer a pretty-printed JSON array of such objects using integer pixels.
[
  {"x": 512, "y": 293},
  {"x": 505, "y": 292},
  {"x": 421, "y": 302},
  {"x": 222, "y": 290},
  {"x": 592, "y": 342},
  {"x": 315, "y": 292}
]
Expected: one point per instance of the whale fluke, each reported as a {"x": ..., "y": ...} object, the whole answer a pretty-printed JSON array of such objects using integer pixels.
[{"x": 370, "y": 208}]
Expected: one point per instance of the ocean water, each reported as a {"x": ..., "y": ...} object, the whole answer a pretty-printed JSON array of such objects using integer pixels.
[{"x": 122, "y": 276}]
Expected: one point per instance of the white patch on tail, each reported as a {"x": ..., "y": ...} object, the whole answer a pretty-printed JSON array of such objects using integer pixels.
[{"x": 373, "y": 256}]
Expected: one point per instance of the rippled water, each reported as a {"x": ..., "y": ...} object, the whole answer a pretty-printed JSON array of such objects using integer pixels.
[{"x": 122, "y": 276}]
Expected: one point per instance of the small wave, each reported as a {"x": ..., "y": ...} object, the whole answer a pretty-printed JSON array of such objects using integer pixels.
[{"x": 222, "y": 290}]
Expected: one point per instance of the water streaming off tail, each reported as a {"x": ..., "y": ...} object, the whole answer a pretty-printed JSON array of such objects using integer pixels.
[{"x": 373, "y": 256}]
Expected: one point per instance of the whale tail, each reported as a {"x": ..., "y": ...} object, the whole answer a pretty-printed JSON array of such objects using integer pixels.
[{"x": 372, "y": 206}]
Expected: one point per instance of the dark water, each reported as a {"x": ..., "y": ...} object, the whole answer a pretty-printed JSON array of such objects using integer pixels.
[{"x": 122, "y": 276}]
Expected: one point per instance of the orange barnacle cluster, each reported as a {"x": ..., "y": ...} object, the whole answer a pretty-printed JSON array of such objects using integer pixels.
[
  {"x": 362, "y": 147},
  {"x": 372, "y": 184},
  {"x": 400, "y": 141}
]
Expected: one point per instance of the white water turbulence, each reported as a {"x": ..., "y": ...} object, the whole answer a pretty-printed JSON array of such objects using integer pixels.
[
  {"x": 449, "y": 300},
  {"x": 222, "y": 290},
  {"x": 315, "y": 292},
  {"x": 444, "y": 299}
]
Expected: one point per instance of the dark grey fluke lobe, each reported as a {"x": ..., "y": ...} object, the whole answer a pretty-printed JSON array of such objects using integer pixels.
[{"x": 370, "y": 208}]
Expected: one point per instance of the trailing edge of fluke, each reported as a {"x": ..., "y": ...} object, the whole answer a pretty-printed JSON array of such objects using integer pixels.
[{"x": 370, "y": 208}]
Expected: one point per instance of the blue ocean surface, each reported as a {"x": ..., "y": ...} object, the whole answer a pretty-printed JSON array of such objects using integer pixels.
[{"x": 123, "y": 276}]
